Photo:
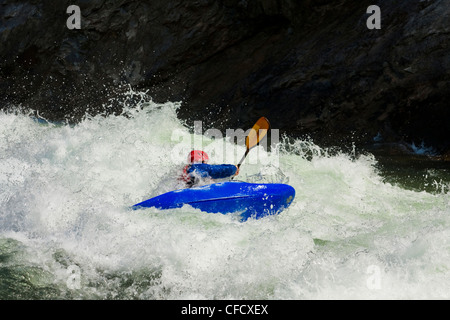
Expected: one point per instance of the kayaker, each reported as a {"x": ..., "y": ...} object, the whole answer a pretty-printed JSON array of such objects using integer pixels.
[{"x": 198, "y": 170}]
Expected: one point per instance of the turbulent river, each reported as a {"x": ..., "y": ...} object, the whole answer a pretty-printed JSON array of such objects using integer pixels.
[{"x": 355, "y": 230}]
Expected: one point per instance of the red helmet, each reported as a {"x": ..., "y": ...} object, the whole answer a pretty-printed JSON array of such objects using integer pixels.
[{"x": 197, "y": 156}]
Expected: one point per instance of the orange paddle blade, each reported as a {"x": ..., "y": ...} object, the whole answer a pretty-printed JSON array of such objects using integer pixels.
[{"x": 258, "y": 132}]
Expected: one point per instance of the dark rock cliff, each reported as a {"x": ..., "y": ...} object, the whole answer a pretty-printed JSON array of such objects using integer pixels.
[{"x": 312, "y": 67}]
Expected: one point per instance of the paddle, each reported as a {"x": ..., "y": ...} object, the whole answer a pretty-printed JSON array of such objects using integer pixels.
[{"x": 256, "y": 134}]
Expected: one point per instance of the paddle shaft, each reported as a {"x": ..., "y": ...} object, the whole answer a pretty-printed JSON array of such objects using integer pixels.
[{"x": 242, "y": 160}]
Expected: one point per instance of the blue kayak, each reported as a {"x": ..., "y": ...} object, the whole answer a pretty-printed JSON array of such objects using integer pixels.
[{"x": 249, "y": 200}]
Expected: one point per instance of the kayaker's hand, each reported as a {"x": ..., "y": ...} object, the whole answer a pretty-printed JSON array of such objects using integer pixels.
[{"x": 237, "y": 171}]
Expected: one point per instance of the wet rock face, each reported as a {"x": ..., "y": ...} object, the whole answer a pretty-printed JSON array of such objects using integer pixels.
[{"x": 312, "y": 67}]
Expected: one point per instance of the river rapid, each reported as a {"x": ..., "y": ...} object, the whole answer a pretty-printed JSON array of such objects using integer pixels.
[{"x": 355, "y": 230}]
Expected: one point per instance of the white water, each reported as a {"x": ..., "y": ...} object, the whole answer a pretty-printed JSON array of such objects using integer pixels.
[{"x": 65, "y": 193}]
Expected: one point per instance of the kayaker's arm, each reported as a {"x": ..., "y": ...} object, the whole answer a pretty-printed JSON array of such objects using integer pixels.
[{"x": 217, "y": 171}]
